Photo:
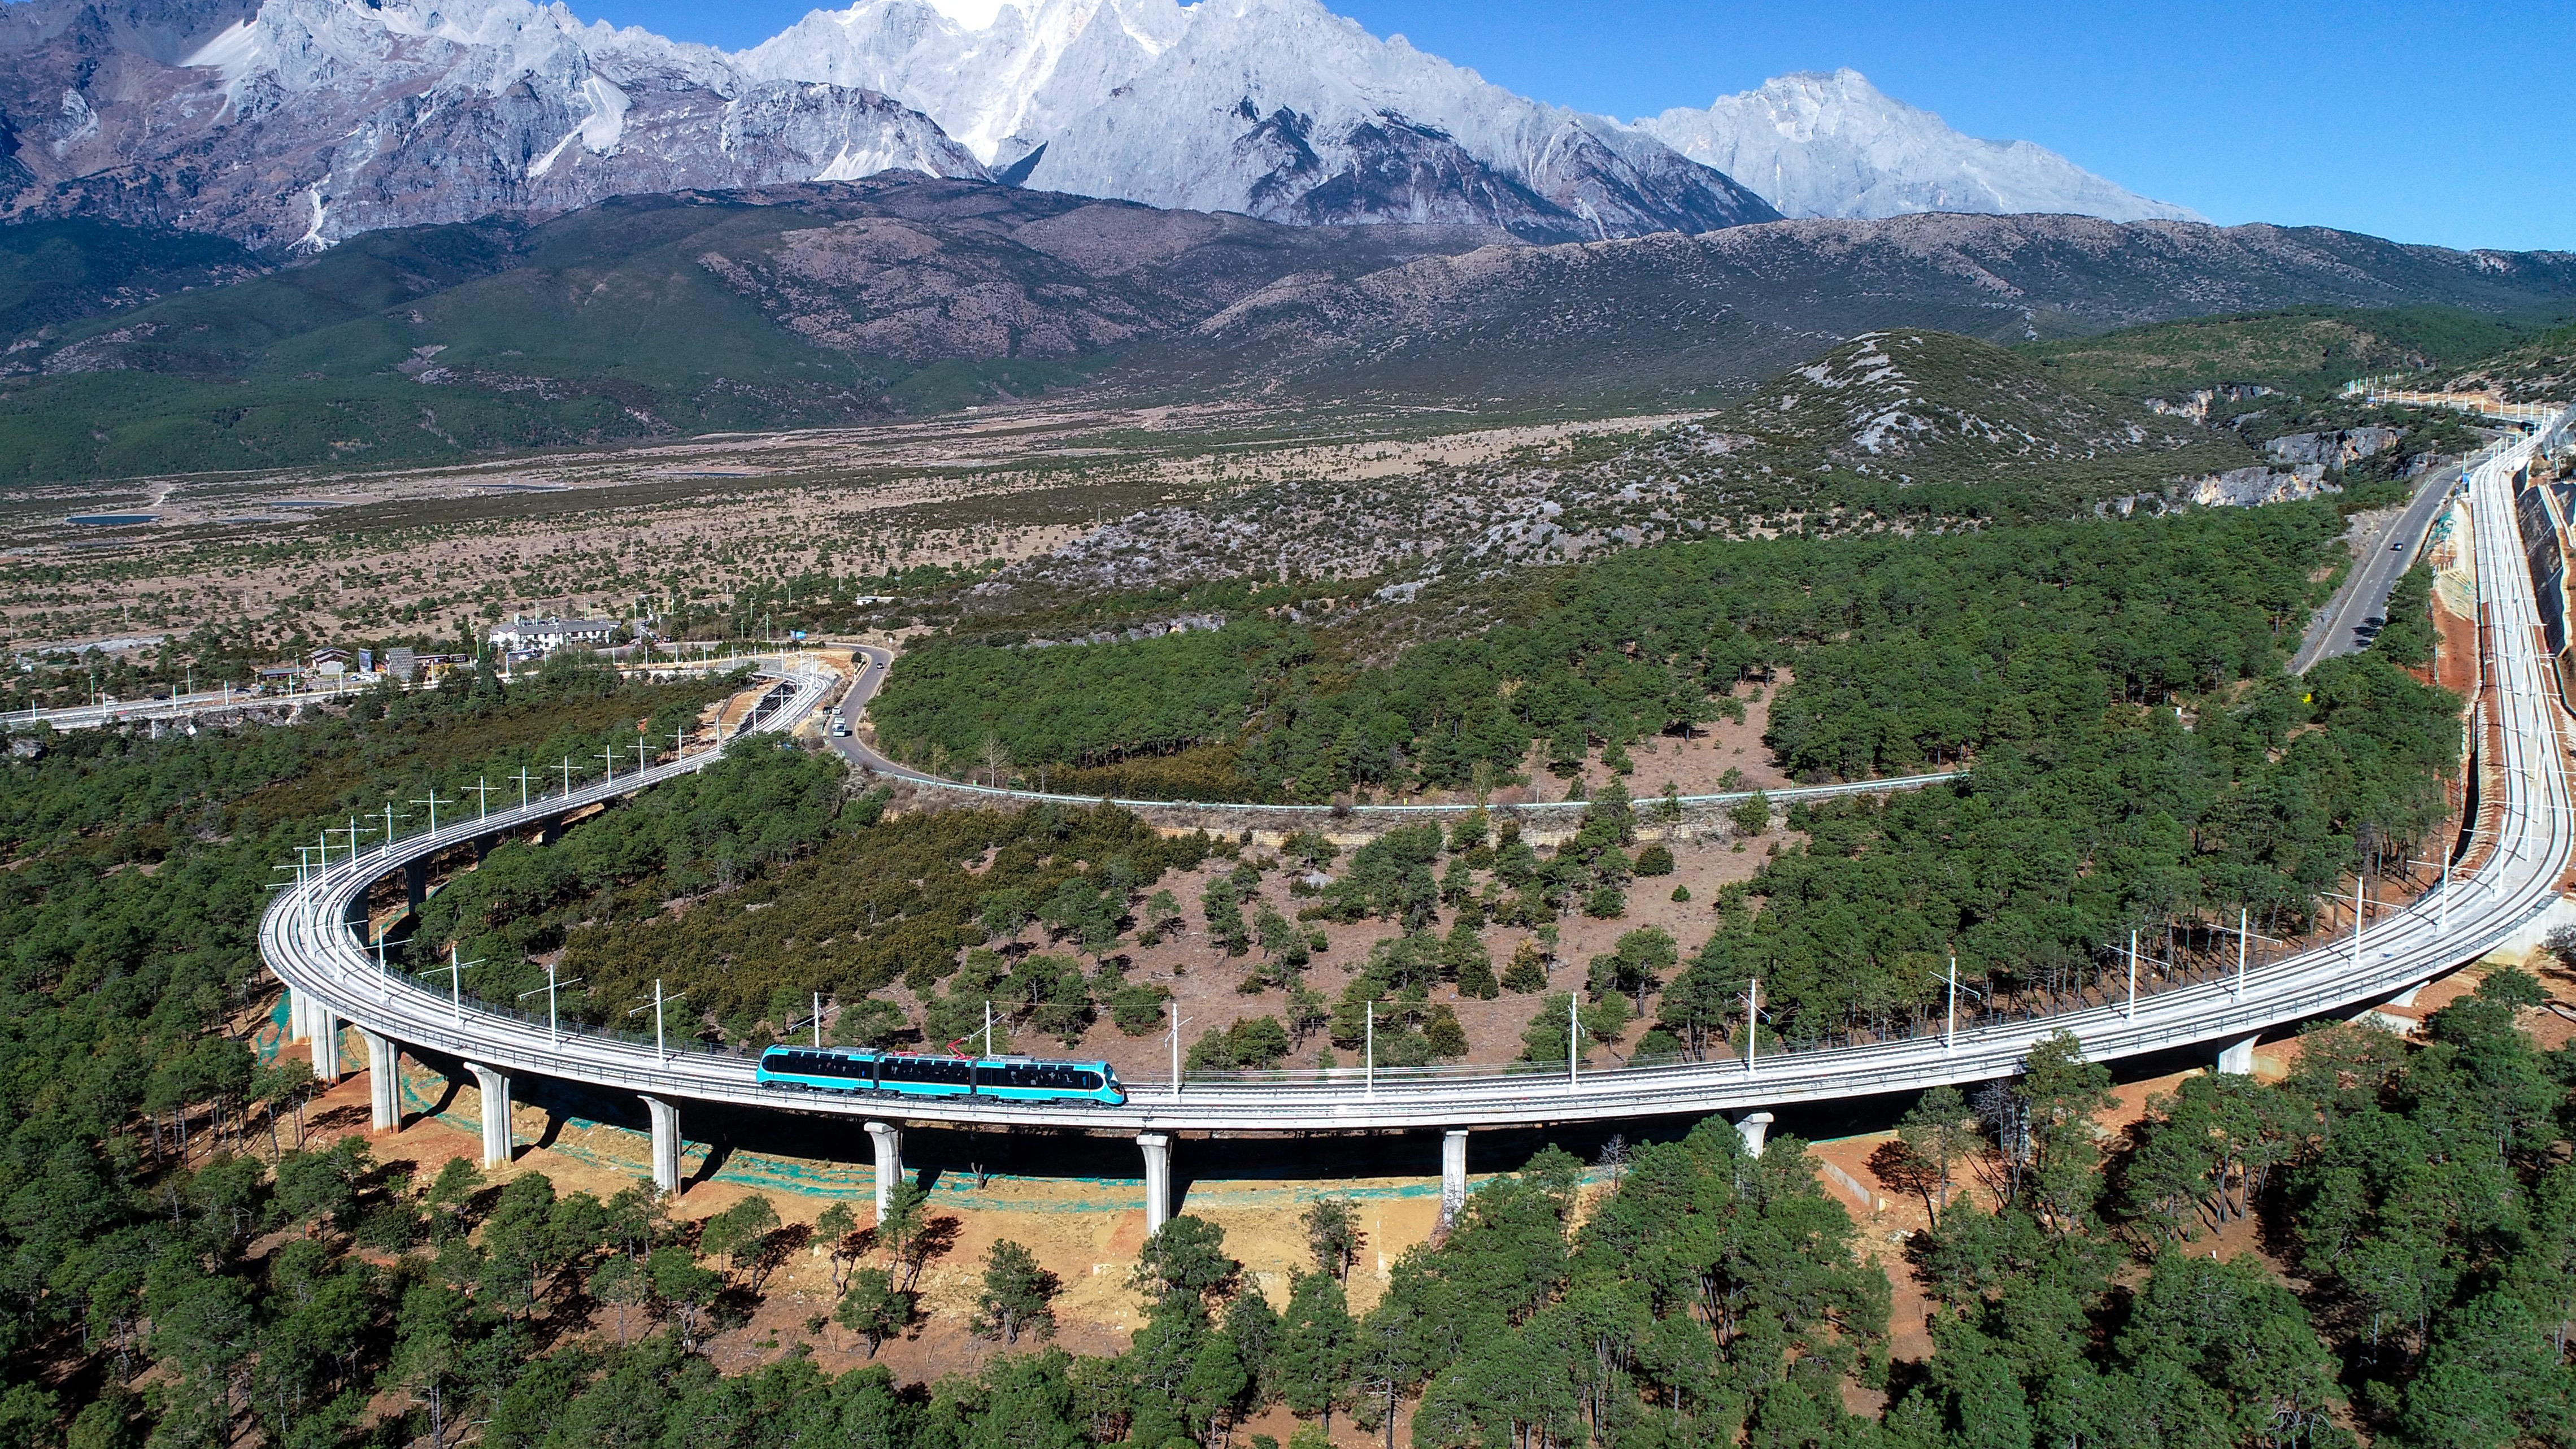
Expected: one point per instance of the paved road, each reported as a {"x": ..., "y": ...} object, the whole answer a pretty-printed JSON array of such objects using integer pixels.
[
  {"x": 875, "y": 661},
  {"x": 2359, "y": 609},
  {"x": 2528, "y": 825}
]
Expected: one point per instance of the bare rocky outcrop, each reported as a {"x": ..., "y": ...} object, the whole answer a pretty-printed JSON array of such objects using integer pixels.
[
  {"x": 2250, "y": 487},
  {"x": 2336, "y": 449},
  {"x": 2197, "y": 403}
]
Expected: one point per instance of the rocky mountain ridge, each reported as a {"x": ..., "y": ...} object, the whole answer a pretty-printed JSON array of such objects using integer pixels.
[
  {"x": 819, "y": 303},
  {"x": 1672, "y": 316}
]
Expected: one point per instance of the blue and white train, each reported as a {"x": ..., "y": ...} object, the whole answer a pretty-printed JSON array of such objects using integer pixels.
[{"x": 856, "y": 1071}]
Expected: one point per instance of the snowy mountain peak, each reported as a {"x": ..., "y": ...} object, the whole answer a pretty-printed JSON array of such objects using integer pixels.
[
  {"x": 991, "y": 72},
  {"x": 1816, "y": 144},
  {"x": 305, "y": 121},
  {"x": 1278, "y": 108}
]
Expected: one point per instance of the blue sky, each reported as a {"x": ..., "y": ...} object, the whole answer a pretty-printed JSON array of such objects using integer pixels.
[{"x": 2423, "y": 122}]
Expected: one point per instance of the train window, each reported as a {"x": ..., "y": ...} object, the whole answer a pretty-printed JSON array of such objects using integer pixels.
[
  {"x": 1042, "y": 1076},
  {"x": 940, "y": 1071}
]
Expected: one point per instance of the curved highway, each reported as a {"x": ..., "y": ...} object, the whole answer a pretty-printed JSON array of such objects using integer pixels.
[{"x": 2523, "y": 846}]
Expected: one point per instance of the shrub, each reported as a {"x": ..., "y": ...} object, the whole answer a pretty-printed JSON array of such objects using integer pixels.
[{"x": 1138, "y": 1009}]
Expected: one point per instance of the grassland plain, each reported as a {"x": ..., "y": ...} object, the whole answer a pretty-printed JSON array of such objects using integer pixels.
[
  {"x": 1060, "y": 519},
  {"x": 712, "y": 537}
]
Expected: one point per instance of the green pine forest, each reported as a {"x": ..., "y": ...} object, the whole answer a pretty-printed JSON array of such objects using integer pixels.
[
  {"x": 186, "y": 1263},
  {"x": 2140, "y": 762}
]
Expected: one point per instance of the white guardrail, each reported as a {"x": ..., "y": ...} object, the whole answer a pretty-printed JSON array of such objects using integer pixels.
[{"x": 2526, "y": 841}]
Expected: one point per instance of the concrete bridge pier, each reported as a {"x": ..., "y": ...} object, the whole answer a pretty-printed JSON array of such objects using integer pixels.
[
  {"x": 887, "y": 1139},
  {"x": 384, "y": 1078},
  {"x": 2407, "y": 996},
  {"x": 326, "y": 1043},
  {"x": 297, "y": 1003},
  {"x": 415, "y": 883},
  {"x": 497, "y": 1145},
  {"x": 1157, "y": 1147},
  {"x": 666, "y": 1145},
  {"x": 1453, "y": 1175},
  {"x": 2236, "y": 1056},
  {"x": 1755, "y": 1129}
]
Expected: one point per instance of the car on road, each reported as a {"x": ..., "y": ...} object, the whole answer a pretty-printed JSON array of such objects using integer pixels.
[{"x": 840, "y": 727}]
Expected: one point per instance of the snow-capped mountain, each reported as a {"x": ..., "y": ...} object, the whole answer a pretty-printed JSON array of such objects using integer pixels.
[
  {"x": 1835, "y": 145},
  {"x": 303, "y": 122},
  {"x": 1276, "y": 108},
  {"x": 308, "y": 121}
]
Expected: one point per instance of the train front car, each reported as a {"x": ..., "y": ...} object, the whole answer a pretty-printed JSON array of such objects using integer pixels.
[{"x": 1030, "y": 1079}]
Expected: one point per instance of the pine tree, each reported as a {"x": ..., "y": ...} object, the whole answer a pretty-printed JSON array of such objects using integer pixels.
[
  {"x": 1316, "y": 1344},
  {"x": 1527, "y": 974},
  {"x": 876, "y": 1310},
  {"x": 1018, "y": 1296}
]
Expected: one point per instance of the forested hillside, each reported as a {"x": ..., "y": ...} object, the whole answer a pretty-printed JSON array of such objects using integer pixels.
[
  {"x": 2310, "y": 350},
  {"x": 1909, "y": 651},
  {"x": 2138, "y": 762},
  {"x": 185, "y": 1265},
  {"x": 140, "y": 1126}
]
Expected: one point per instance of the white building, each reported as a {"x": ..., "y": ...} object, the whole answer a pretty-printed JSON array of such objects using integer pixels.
[{"x": 544, "y": 636}]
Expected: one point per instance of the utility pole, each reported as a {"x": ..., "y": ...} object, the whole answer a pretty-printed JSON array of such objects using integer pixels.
[
  {"x": 988, "y": 1028},
  {"x": 1573, "y": 1046},
  {"x": 2244, "y": 948},
  {"x": 818, "y": 1019},
  {"x": 433, "y": 803},
  {"x": 1752, "y": 1024},
  {"x": 1950, "y": 1034},
  {"x": 660, "y": 1052},
  {"x": 482, "y": 798},
  {"x": 566, "y": 768},
  {"x": 610, "y": 756},
  {"x": 2443, "y": 927},
  {"x": 2132, "y": 1012},
  {"x": 554, "y": 1036},
  {"x": 1368, "y": 1058},
  {"x": 524, "y": 779}
]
